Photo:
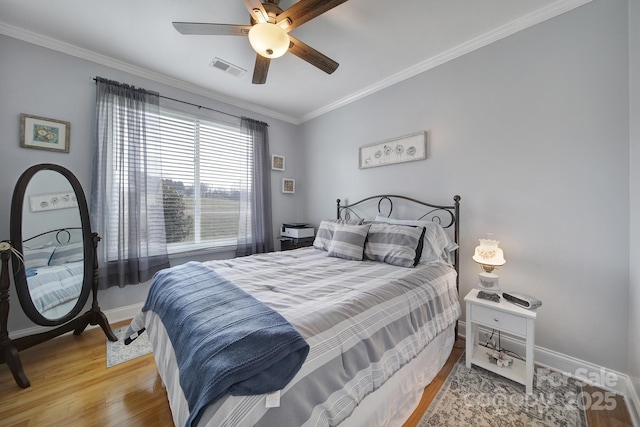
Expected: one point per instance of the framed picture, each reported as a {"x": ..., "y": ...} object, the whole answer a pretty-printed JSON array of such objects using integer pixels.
[
  {"x": 397, "y": 150},
  {"x": 44, "y": 134},
  {"x": 277, "y": 162},
  {"x": 288, "y": 185}
]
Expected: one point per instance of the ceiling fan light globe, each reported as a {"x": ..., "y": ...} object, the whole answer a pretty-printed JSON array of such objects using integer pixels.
[{"x": 269, "y": 40}]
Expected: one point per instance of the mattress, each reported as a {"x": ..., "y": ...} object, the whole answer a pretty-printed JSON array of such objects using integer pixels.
[{"x": 367, "y": 324}]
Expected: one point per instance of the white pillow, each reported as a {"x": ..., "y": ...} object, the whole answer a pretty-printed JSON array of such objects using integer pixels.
[{"x": 437, "y": 244}]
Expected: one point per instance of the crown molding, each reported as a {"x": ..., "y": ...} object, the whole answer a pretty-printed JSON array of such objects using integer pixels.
[
  {"x": 78, "y": 52},
  {"x": 499, "y": 33}
]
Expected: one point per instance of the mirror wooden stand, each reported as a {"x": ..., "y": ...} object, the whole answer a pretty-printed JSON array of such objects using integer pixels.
[{"x": 9, "y": 353}]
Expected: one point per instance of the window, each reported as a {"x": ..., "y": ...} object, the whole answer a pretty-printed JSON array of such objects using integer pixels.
[{"x": 205, "y": 165}]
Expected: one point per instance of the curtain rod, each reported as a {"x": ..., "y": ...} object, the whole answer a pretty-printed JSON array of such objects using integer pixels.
[
  {"x": 199, "y": 106},
  {"x": 95, "y": 79}
]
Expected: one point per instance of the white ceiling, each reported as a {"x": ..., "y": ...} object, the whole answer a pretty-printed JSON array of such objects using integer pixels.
[{"x": 376, "y": 42}]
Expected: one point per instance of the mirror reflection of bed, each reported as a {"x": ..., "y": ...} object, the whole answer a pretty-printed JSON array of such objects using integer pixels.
[
  {"x": 52, "y": 244},
  {"x": 54, "y": 267}
]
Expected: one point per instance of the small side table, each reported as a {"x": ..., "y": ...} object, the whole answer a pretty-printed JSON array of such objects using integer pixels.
[
  {"x": 506, "y": 317},
  {"x": 287, "y": 244}
]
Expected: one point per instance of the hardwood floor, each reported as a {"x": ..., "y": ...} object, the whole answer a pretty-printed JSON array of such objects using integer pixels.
[{"x": 71, "y": 386}]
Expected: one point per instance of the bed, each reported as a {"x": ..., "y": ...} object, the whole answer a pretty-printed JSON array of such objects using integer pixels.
[
  {"x": 54, "y": 266},
  {"x": 370, "y": 314}
]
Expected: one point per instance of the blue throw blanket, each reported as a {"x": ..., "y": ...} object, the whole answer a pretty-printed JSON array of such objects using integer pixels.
[{"x": 225, "y": 340}]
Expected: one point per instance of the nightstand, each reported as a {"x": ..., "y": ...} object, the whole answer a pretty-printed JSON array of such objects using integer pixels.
[{"x": 506, "y": 317}]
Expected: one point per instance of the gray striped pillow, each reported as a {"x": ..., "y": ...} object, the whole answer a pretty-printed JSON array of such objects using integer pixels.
[
  {"x": 348, "y": 242},
  {"x": 393, "y": 244},
  {"x": 39, "y": 257},
  {"x": 68, "y": 253},
  {"x": 326, "y": 230},
  {"x": 438, "y": 246}
]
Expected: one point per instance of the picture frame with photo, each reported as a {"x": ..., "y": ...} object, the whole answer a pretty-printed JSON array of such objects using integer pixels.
[
  {"x": 43, "y": 133},
  {"x": 288, "y": 185}
]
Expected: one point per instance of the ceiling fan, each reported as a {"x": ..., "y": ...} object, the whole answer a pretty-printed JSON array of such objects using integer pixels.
[{"x": 268, "y": 32}]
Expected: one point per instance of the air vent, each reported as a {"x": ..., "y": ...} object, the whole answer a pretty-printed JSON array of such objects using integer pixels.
[{"x": 227, "y": 67}]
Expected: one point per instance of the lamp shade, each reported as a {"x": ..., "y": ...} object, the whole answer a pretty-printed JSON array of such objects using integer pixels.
[
  {"x": 488, "y": 253},
  {"x": 269, "y": 40}
]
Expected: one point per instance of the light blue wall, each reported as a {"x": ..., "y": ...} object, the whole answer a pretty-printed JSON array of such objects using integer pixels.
[
  {"x": 42, "y": 82},
  {"x": 532, "y": 132}
]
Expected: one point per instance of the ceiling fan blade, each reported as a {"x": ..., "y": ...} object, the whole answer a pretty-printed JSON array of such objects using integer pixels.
[
  {"x": 204, "y": 29},
  {"x": 306, "y": 10},
  {"x": 256, "y": 10},
  {"x": 312, "y": 56},
  {"x": 260, "y": 70}
]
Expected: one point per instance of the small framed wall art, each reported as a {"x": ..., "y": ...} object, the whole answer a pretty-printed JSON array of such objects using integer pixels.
[
  {"x": 44, "y": 134},
  {"x": 288, "y": 185},
  {"x": 277, "y": 162},
  {"x": 396, "y": 150}
]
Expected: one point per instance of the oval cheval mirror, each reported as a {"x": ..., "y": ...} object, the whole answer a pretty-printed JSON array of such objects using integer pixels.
[{"x": 57, "y": 270}]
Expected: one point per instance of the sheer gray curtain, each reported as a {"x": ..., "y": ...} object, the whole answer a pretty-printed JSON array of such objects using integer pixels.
[
  {"x": 126, "y": 198},
  {"x": 255, "y": 232}
]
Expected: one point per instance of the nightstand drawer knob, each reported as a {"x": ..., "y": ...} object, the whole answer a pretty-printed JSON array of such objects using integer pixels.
[{"x": 494, "y": 318}]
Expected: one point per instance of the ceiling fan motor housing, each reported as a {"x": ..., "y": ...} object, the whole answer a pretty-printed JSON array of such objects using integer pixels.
[{"x": 272, "y": 10}]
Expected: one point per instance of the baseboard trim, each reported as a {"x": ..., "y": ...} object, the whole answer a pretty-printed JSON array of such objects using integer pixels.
[
  {"x": 116, "y": 315},
  {"x": 123, "y": 313}
]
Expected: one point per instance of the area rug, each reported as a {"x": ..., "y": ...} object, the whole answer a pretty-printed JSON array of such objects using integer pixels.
[
  {"x": 477, "y": 397},
  {"x": 118, "y": 353}
]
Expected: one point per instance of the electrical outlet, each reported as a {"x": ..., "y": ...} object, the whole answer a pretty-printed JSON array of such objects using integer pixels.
[{"x": 485, "y": 337}]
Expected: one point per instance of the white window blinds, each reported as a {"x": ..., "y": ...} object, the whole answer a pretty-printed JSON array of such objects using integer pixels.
[{"x": 204, "y": 166}]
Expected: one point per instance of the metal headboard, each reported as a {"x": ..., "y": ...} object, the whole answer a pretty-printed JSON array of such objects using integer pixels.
[
  {"x": 435, "y": 213},
  {"x": 62, "y": 235}
]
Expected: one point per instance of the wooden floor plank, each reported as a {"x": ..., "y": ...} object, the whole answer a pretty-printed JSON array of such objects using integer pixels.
[{"x": 71, "y": 385}]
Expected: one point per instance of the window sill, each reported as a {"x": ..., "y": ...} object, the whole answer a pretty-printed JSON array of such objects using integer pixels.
[{"x": 201, "y": 251}]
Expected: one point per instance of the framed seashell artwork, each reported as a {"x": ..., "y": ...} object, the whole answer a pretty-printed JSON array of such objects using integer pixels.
[
  {"x": 288, "y": 185},
  {"x": 397, "y": 150}
]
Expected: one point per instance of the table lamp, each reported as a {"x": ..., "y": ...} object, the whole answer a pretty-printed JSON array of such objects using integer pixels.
[{"x": 489, "y": 256}]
